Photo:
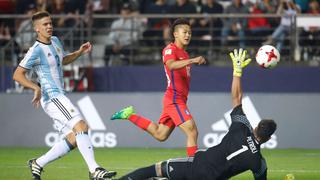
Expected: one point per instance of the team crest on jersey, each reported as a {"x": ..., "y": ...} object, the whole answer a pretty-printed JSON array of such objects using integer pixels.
[
  {"x": 168, "y": 52},
  {"x": 49, "y": 54},
  {"x": 58, "y": 49},
  {"x": 72, "y": 110}
]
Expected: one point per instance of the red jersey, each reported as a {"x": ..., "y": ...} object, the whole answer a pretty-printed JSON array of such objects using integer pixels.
[{"x": 178, "y": 80}]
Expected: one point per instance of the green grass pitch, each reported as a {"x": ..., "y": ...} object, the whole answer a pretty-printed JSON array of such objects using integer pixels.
[{"x": 304, "y": 164}]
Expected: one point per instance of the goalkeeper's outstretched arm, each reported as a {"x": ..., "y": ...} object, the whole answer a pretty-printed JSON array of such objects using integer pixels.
[
  {"x": 239, "y": 62},
  {"x": 236, "y": 91}
]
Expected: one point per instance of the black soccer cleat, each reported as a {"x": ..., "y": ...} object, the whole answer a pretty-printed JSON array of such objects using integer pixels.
[
  {"x": 35, "y": 169},
  {"x": 101, "y": 174}
]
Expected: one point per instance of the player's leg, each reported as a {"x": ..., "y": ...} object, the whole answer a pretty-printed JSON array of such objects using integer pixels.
[
  {"x": 190, "y": 129},
  {"x": 63, "y": 110},
  {"x": 141, "y": 174},
  {"x": 128, "y": 113},
  {"x": 57, "y": 151},
  {"x": 159, "y": 131},
  {"x": 87, "y": 151},
  {"x": 182, "y": 117},
  {"x": 177, "y": 169},
  {"x": 61, "y": 148}
]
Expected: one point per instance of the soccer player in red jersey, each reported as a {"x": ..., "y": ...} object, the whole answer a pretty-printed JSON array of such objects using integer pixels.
[{"x": 175, "y": 112}]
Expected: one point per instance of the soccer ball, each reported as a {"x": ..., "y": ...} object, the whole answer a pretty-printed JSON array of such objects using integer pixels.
[
  {"x": 267, "y": 56},
  {"x": 289, "y": 177}
]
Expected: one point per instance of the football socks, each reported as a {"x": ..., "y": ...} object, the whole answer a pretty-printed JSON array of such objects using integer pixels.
[{"x": 86, "y": 149}]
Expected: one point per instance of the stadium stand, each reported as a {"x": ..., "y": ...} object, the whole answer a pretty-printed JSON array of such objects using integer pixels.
[{"x": 79, "y": 21}]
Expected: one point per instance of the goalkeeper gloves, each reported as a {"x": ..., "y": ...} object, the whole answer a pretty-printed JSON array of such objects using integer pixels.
[{"x": 239, "y": 61}]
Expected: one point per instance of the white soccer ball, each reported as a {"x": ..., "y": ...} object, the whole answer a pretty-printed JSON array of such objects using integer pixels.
[{"x": 267, "y": 56}]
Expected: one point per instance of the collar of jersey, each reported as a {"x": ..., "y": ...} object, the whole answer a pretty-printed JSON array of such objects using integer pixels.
[{"x": 43, "y": 42}]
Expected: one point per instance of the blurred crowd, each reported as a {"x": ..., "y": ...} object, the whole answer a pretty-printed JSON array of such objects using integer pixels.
[{"x": 124, "y": 33}]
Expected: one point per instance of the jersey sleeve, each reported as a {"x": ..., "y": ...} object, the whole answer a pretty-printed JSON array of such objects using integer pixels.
[
  {"x": 238, "y": 116},
  {"x": 167, "y": 54},
  {"x": 30, "y": 59},
  {"x": 261, "y": 173}
]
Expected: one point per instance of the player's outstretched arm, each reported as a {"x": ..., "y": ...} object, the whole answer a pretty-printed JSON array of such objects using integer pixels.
[
  {"x": 84, "y": 48},
  {"x": 19, "y": 75},
  {"x": 236, "y": 91},
  {"x": 239, "y": 62},
  {"x": 172, "y": 64}
]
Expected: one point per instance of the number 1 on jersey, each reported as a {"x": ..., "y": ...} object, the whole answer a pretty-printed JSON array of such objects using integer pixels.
[{"x": 232, "y": 155}]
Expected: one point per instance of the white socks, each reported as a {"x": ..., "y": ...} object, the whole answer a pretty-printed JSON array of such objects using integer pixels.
[
  {"x": 86, "y": 149},
  {"x": 63, "y": 147},
  {"x": 58, "y": 150}
]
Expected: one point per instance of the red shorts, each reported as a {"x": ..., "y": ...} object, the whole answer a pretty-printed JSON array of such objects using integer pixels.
[{"x": 175, "y": 114}]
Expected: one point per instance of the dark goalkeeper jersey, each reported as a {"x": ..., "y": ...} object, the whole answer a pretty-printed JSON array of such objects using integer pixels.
[{"x": 237, "y": 152}]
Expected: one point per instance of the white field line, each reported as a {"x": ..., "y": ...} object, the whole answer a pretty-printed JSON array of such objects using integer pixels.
[{"x": 295, "y": 170}]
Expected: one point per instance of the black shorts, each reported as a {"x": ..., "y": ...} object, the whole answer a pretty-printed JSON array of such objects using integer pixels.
[{"x": 179, "y": 168}]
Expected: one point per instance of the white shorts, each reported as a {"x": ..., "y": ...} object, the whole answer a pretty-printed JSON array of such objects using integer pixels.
[{"x": 64, "y": 114}]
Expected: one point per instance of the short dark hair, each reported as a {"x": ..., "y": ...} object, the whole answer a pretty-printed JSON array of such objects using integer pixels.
[
  {"x": 177, "y": 22},
  {"x": 39, "y": 15},
  {"x": 265, "y": 129}
]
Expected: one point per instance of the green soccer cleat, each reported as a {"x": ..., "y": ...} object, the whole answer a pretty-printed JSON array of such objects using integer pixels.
[{"x": 124, "y": 113}]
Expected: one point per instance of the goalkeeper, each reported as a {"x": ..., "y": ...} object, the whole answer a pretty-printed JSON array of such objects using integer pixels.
[{"x": 238, "y": 151}]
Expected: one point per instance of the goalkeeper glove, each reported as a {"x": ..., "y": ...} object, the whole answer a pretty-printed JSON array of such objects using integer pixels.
[{"x": 239, "y": 61}]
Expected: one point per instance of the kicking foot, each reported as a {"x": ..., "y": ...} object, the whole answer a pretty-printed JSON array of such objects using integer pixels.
[
  {"x": 35, "y": 169},
  {"x": 101, "y": 174},
  {"x": 124, "y": 113}
]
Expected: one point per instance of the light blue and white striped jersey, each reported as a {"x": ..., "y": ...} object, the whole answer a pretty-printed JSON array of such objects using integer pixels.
[{"x": 46, "y": 61}]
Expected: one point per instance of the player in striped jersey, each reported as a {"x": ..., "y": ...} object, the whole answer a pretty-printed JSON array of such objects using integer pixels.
[
  {"x": 238, "y": 151},
  {"x": 46, "y": 57},
  {"x": 175, "y": 113}
]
